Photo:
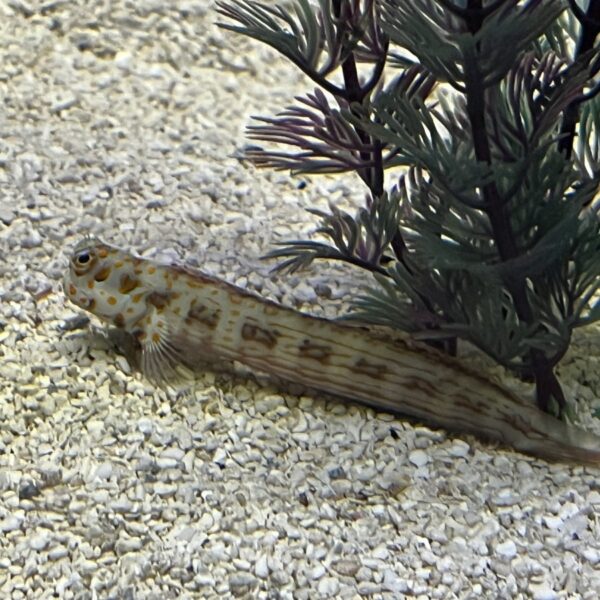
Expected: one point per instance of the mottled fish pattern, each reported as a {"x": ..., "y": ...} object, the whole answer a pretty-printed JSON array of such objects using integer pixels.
[{"x": 179, "y": 317}]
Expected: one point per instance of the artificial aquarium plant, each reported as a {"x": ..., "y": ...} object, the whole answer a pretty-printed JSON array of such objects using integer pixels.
[{"x": 474, "y": 126}]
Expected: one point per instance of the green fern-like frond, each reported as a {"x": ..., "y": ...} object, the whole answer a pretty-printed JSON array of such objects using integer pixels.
[
  {"x": 491, "y": 134},
  {"x": 361, "y": 240},
  {"x": 300, "y": 34},
  {"x": 317, "y": 38}
]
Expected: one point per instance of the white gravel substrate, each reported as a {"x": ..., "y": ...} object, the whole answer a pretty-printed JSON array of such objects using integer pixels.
[{"x": 120, "y": 119}]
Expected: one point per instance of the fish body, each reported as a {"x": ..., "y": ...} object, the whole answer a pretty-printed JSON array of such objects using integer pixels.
[{"x": 179, "y": 317}]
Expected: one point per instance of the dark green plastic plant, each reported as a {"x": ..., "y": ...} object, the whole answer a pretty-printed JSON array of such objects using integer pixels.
[{"x": 484, "y": 115}]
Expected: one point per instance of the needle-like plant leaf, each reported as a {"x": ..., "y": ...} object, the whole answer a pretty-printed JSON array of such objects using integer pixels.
[{"x": 486, "y": 125}]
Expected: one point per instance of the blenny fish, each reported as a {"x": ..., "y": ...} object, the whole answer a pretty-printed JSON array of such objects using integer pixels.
[{"x": 178, "y": 317}]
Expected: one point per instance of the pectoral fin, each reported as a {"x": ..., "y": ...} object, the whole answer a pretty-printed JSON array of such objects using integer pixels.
[{"x": 161, "y": 359}]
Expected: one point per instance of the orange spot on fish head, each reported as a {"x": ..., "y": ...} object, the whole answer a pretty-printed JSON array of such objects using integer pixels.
[
  {"x": 127, "y": 283},
  {"x": 102, "y": 274}
]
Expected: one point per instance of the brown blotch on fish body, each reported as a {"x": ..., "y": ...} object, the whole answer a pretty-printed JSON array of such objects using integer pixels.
[
  {"x": 102, "y": 274},
  {"x": 119, "y": 320},
  {"x": 235, "y": 299},
  {"x": 103, "y": 252},
  {"x": 119, "y": 264},
  {"x": 127, "y": 283},
  {"x": 92, "y": 304},
  {"x": 151, "y": 269},
  {"x": 136, "y": 298},
  {"x": 158, "y": 300},
  {"x": 415, "y": 383},
  {"x": 72, "y": 290},
  {"x": 156, "y": 337},
  {"x": 252, "y": 332},
  {"x": 91, "y": 284},
  {"x": 199, "y": 312},
  {"x": 376, "y": 371},
  {"x": 319, "y": 352},
  {"x": 111, "y": 300}
]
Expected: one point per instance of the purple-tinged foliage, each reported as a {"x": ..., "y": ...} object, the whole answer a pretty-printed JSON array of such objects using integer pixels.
[{"x": 490, "y": 232}]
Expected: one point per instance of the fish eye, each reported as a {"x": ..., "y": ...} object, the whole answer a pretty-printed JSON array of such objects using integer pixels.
[{"x": 83, "y": 260}]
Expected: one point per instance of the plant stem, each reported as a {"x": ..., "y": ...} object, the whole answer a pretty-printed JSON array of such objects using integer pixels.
[
  {"x": 547, "y": 385},
  {"x": 354, "y": 92},
  {"x": 590, "y": 27},
  {"x": 373, "y": 176}
]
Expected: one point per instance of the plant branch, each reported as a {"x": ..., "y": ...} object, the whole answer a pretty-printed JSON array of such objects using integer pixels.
[
  {"x": 373, "y": 176},
  {"x": 472, "y": 12},
  {"x": 547, "y": 385},
  {"x": 581, "y": 16},
  {"x": 590, "y": 27},
  {"x": 354, "y": 92}
]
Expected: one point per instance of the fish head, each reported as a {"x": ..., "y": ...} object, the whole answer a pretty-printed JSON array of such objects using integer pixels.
[{"x": 100, "y": 279}]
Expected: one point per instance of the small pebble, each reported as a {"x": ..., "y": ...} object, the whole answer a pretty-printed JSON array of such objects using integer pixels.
[
  {"x": 506, "y": 550},
  {"x": 419, "y": 458}
]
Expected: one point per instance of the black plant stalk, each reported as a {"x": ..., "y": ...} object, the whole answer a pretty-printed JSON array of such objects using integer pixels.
[
  {"x": 590, "y": 28},
  {"x": 547, "y": 384},
  {"x": 372, "y": 175},
  {"x": 354, "y": 92}
]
